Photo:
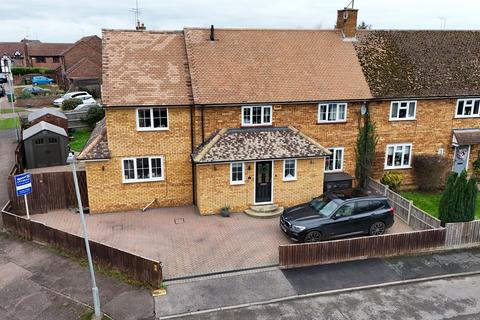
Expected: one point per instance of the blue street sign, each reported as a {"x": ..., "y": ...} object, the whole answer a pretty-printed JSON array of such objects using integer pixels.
[{"x": 23, "y": 184}]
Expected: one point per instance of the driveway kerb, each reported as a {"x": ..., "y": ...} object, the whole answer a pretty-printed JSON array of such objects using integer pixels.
[{"x": 325, "y": 293}]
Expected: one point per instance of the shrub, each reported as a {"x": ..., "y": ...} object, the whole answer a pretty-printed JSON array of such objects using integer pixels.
[
  {"x": 393, "y": 180},
  {"x": 458, "y": 202},
  {"x": 30, "y": 70},
  {"x": 476, "y": 167},
  {"x": 71, "y": 104},
  {"x": 94, "y": 114},
  {"x": 430, "y": 171}
]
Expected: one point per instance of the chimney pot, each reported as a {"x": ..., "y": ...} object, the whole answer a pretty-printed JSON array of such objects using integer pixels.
[
  {"x": 212, "y": 33},
  {"x": 347, "y": 22}
]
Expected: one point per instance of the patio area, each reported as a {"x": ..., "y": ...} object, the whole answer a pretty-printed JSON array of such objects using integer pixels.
[{"x": 186, "y": 243}]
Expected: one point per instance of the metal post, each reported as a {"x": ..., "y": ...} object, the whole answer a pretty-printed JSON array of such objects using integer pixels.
[
  {"x": 26, "y": 206},
  {"x": 386, "y": 190},
  {"x": 96, "y": 299},
  {"x": 410, "y": 204},
  {"x": 12, "y": 97}
]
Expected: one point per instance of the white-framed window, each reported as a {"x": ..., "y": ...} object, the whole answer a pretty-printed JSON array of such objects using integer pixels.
[
  {"x": 143, "y": 169},
  {"x": 332, "y": 112},
  {"x": 289, "y": 169},
  {"x": 468, "y": 108},
  {"x": 334, "y": 162},
  {"x": 237, "y": 173},
  {"x": 152, "y": 119},
  {"x": 403, "y": 110},
  {"x": 398, "y": 156},
  {"x": 256, "y": 115}
]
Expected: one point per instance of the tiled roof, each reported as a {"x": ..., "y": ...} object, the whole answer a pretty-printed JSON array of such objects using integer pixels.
[
  {"x": 420, "y": 63},
  {"x": 41, "y": 112},
  {"x": 257, "y": 144},
  {"x": 41, "y": 126},
  {"x": 145, "y": 68},
  {"x": 47, "y": 49},
  {"x": 465, "y": 137},
  {"x": 262, "y": 65},
  {"x": 11, "y": 47},
  {"x": 96, "y": 147}
]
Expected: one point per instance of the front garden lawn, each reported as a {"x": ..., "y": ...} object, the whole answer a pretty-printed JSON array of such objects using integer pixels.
[
  {"x": 8, "y": 123},
  {"x": 429, "y": 202},
  {"x": 80, "y": 138},
  {"x": 9, "y": 110}
]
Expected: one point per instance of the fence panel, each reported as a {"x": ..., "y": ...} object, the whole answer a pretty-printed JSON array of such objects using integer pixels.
[
  {"x": 463, "y": 233},
  {"x": 297, "y": 255},
  {"x": 136, "y": 267}
]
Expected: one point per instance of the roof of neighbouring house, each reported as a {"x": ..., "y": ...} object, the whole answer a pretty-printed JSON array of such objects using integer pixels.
[
  {"x": 85, "y": 39},
  {"x": 44, "y": 111},
  {"x": 96, "y": 147},
  {"x": 41, "y": 126},
  {"x": 145, "y": 68},
  {"x": 268, "y": 65},
  {"x": 47, "y": 49},
  {"x": 10, "y": 48},
  {"x": 257, "y": 144},
  {"x": 466, "y": 137},
  {"x": 424, "y": 63},
  {"x": 82, "y": 64}
]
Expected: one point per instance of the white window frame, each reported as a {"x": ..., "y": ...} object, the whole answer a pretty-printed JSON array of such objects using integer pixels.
[
  {"x": 463, "y": 115},
  {"x": 262, "y": 116},
  {"x": 231, "y": 173},
  {"x": 136, "y": 180},
  {"x": 394, "y": 145},
  {"x": 151, "y": 128},
  {"x": 407, "y": 118},
  {"x": 285, "y": 178},
  {"x": 333, "y": 150},
  {"x": 337, "y": 120}
]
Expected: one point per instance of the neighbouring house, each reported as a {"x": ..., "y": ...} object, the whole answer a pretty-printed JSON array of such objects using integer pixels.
[
  {"x": 240, "y": 117},
  {"x": 45, "y": 145},
  {"x": 16, "y": 52},
  {"x": 45, "y": 55},
  {"x": 49, "y": 115}
]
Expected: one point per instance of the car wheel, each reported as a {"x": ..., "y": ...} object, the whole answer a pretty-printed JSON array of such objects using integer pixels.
[
  {"x": 35, "y": 84},
  {"x": 377, "y": 229},
  {"x": 313, "y": 236}
]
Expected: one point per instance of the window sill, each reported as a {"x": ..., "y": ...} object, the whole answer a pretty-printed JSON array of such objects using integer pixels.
[
  {"x": 406, "y": 119},
  {"x": 142, "y": 181},
  {"x": 289, "y": 179},
  {"x": 237, "y": 183},
  {"x": 152, "y": 129},
  {"x": 397, "y": 168},
  {"x": 331, "y": 122},
  {"x": 257, "y": 125},
  {"x": 466, "y": 117},
  {"x": 333, "y": 171}
]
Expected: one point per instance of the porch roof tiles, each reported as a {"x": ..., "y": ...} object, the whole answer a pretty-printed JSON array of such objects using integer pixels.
[
  {"x": 96, "y": 147},
  {"x": 245, "y": 144}
]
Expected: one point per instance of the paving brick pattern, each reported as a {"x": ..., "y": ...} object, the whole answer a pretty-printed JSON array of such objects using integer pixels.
[{"x": 188, "y": 244}]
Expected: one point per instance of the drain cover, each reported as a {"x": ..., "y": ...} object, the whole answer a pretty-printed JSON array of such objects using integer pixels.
[{"x": 179, "y": 220}]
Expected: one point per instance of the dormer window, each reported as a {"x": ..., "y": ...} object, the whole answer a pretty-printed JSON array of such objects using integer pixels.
[{"x": 256, "y": 115}]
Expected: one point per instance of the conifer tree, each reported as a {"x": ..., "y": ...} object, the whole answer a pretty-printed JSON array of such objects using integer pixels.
[{"x": 365, "y": 151}]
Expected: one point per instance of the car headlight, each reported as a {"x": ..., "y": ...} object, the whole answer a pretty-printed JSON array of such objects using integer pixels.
[{"x": 298, "y": 228}]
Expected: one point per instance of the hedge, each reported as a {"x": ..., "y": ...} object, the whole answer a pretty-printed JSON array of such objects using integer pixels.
[{"x": 29, "y": 70}]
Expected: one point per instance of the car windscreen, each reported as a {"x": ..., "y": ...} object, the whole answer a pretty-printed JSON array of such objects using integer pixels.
[
  {"x": 318, "y": 203},
  {"x": 329, "y": 208}
]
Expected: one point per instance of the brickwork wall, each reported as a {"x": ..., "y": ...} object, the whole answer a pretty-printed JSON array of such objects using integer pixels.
[
  {"x": 107, "y": 192},
  {"x": 82, "y": 50},
  {"x": 214, "y": 190},
  {"x": 49, "y": 64}
]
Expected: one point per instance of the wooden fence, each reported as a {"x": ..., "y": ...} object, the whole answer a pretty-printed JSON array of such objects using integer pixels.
[
  {"x": 404, "y": 208},
  {"x": 307, "y": 254},
  {"x": 462, "y": 233},
  {"x": 20, "y": 156},
  {"x": 51, "y": 191},
  {"x": 135, "y": 267},
  {"x": 75, "y": 118}
]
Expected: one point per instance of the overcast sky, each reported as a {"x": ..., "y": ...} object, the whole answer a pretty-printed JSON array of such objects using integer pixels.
[{"x": 68, "y": 20}]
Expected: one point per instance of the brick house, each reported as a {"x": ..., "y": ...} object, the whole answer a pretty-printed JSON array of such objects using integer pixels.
[
  {"x": 45, "y": 55},
  {"x": 238, "y": 117}
]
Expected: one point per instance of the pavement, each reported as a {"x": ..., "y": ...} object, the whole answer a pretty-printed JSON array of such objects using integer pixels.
[
  {"x": 456, "y": 298},
  {"x": 243, "y": 288},
  {"x": 37, "y": 283},
  {"x": 8, "y": 144},
  {"x": 186, "y": 243}
]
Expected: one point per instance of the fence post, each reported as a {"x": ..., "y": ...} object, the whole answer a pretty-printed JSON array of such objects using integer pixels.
[
  {"x": 386, "y": 190},
  {"x": 410, "y": 204}
]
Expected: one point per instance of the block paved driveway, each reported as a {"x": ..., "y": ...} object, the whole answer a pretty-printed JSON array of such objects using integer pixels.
[{"x": 188, "y": 244}]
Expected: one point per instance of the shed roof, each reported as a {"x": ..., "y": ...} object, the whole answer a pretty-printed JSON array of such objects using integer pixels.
[
  {"x": 273, "y": 65},
  {"x": 96, "y": 147},
  {"x": 41, "y": 126},
  {"x": 44, "y": 111},
  {"x": 257, "y": 144},
  {"x": 427, "y": 63}
]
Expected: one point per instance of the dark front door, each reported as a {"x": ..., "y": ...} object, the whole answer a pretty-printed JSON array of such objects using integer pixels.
[{"x": 263, "y": 182}]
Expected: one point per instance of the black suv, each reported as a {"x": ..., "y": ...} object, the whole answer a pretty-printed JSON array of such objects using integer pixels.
[{"x": 337, "y": 214}]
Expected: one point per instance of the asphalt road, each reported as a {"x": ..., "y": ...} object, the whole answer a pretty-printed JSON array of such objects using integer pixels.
[{"x": 457, "y": 298}]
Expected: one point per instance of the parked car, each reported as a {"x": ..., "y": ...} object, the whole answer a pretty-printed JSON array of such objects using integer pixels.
[
  {"x": 36, "y": 90},
  {"x": 337, "y": 214},
  {"x": 86, "y": 106},
  {"x": 71, "y": 95},
  {"x": 2, "y": 91},
  {"x": 36, "y": 80}
]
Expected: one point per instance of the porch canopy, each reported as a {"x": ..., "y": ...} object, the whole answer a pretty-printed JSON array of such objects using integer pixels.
[
  {"x": 248, "y": 144},
  {"x": 464, "y": 137}
]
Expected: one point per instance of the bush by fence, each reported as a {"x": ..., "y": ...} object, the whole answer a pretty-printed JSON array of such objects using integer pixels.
[{"x": 135, "y": 267}]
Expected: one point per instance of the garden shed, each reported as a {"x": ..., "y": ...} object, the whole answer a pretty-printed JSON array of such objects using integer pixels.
[
  {"x": 49, "y": 115},
  {"x": 45, "y": 145}
]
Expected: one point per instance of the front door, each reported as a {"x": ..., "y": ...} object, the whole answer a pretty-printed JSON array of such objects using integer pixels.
[
  {"x": 263, "y": 181},
  {"x": 461, "y": 158}
]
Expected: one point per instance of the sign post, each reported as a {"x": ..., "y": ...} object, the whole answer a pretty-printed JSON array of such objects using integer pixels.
[{"x": 23, "y": 186}]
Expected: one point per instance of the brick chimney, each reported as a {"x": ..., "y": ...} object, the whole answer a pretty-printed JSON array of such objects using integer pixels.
[
  {"x": 140, "y": 26},
  {"x": 347, "y": 22}
]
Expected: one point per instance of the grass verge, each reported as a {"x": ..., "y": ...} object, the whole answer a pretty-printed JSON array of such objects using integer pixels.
[
  {"x": 9, "y": 110},
  {"x": 80, "y": 138},
  {"x": 9, "y": 123}
]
